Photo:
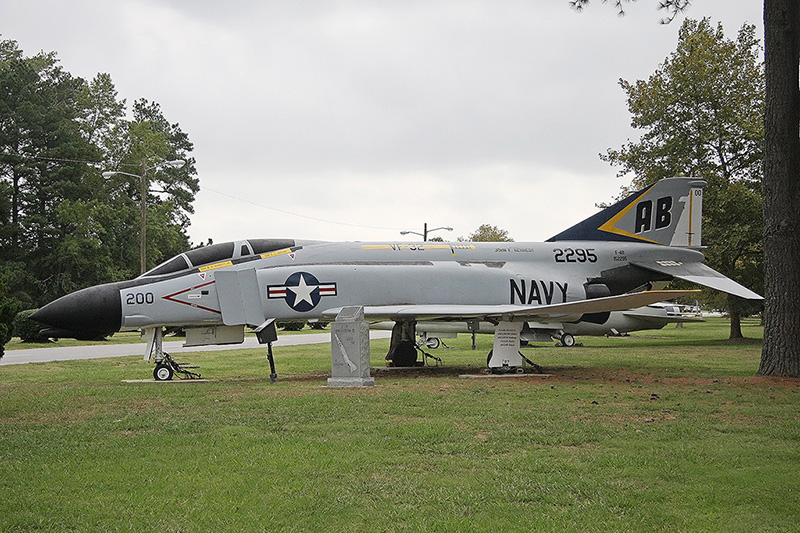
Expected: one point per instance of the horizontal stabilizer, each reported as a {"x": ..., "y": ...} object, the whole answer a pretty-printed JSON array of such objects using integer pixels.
[
  {"x": 515, "y": 312},
  {"x": 700, "y": 274}
]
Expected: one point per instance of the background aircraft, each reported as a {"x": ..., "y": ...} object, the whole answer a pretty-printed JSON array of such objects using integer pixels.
[
  {"x": 605, "y": 263},
  {"x": 615, "y": 323}
]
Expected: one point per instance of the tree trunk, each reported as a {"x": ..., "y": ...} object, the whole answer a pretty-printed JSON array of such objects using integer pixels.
[
  {"x": 781, "y": 352},
  {"x": 736, "y": 325}
]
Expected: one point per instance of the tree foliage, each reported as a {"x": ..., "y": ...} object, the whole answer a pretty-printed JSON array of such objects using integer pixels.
[
  {"x": 672, "y": 7},
  {"x": 487, "y": 233},
  {"x": 781, "y": 352},
  {"x": 8, "y": 310},
  {"x": 62, "y": 225},
  {"x": 701, "y": 115}
]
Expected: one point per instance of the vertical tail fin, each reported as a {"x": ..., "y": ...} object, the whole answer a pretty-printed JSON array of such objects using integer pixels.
[{"x": 668, "y": 212}]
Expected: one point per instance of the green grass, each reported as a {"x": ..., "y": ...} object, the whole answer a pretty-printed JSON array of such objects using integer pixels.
[{"x": 665, "y": 430}]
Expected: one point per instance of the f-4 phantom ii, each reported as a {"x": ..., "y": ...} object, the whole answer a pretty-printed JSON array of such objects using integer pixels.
[{"x": 608, "y": 262}]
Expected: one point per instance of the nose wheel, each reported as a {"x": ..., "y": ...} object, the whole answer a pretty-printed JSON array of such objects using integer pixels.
[
  {"x": 166, "y": 369},
  {"x": 163, "y": 372}
]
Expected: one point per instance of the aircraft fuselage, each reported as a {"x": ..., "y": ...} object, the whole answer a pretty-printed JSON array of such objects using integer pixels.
[{"x": 306, "y": 280}]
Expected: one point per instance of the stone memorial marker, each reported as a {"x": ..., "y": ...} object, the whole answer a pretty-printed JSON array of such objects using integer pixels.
[
  {"x": 505, "y": 352},
  {"x": 350, "y": 350}
]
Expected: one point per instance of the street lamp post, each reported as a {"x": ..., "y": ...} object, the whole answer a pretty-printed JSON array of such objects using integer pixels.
[
  {"x": 425, "y": 231},
  {"x": 145, "y": 187}
]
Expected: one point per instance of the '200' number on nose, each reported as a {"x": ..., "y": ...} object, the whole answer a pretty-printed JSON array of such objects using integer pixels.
[{"x": 140, "y": 298}]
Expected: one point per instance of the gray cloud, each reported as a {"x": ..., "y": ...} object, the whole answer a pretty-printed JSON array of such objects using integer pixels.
[{"x": 376, "y": 115}]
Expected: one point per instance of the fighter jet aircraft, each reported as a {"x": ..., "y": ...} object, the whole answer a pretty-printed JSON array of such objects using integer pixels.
[{"x": 605, "y": 263}]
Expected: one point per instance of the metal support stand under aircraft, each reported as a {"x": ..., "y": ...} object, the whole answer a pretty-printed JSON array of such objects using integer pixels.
[{"x": 267, "y": 334}]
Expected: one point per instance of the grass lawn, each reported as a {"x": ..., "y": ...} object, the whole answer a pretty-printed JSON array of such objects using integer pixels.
[{"x": 664, "y": 430}]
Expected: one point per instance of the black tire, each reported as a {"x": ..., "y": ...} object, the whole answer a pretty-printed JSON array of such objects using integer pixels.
[
  {"x": 162, "y": 372},
  {"x": 568, "y": 340},
  {"x": 432, "y": 342}
]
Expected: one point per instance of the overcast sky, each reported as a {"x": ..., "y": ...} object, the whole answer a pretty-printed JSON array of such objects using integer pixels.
[{"x": 353, "y": 120}]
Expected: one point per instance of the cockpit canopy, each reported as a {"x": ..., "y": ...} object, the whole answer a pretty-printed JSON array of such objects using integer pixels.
[{"x": 215, "y": 253}]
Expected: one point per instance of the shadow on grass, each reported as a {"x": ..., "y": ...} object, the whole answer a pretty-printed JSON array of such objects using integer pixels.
[{"x": 643, "y": 342}]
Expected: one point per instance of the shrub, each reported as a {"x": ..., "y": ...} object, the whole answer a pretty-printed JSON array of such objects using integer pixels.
[
  {"x": 5, "y": 336},
  {"x": 26, "y": 329},
  {"x": 291, "y": 326},
  {"x": 8, "y": 310}
]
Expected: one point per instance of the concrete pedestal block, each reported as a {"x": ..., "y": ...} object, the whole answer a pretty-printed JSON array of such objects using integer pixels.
[{"x": 350, "y": 350}]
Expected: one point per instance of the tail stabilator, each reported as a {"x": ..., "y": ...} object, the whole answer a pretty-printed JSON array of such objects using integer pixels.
[{"x": 668, "y": 212}]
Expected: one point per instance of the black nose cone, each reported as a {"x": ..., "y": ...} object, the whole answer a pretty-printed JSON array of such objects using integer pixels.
[{"x": 89, "y": 313}]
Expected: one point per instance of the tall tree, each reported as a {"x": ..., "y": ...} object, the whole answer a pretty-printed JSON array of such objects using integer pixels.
[
  {"x": 100, "y": 113},
  {"x": 41, "y": 157},
  {"x": 701, "y": 115},
  {"x": 62, "y": 225},
  {"x": 141, "y": 148},
  {"x": 781, "y": 352}
]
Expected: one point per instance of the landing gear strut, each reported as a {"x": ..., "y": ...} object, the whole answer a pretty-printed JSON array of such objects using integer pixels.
[
  {"x": 267, "y": 334},
  {"x": 403, "y": 347},
  {"x": 166, "y": 366},
  {"x": 273, "y": 376}
]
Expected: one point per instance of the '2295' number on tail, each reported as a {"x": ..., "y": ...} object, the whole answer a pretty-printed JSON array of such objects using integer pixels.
[{"x": 578, "y": 255}]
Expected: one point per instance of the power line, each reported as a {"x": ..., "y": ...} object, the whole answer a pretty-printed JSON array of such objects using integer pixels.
[
  {"x": 277, "y": 210},
  {"x": 62, "y": 160},
  {"x": 317, "y": 219}
]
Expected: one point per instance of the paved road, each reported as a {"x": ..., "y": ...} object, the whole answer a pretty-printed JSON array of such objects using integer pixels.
[{"x": 66, "y": 353}]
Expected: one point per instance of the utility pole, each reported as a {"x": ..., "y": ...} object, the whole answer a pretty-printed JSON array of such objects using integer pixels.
[
  {"x": 145, "y": 188},
  {"x": 143, "y": 227}
]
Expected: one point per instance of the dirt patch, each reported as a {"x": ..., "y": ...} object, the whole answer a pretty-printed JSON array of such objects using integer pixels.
[{"x": 618, "y": 377}]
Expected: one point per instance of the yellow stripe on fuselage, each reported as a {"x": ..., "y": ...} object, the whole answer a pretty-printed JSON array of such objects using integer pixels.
[
  {"x": 215, "y": 266},
  {"x": 276, "y": 253}
]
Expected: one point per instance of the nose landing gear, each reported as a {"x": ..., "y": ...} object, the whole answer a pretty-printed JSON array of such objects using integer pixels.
[{"x": 167, "y": 367}]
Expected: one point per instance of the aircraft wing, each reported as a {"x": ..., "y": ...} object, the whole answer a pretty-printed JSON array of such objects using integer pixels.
[
  {"x": 700, "y": 274},
  {"x": 515, "y": 312}
]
